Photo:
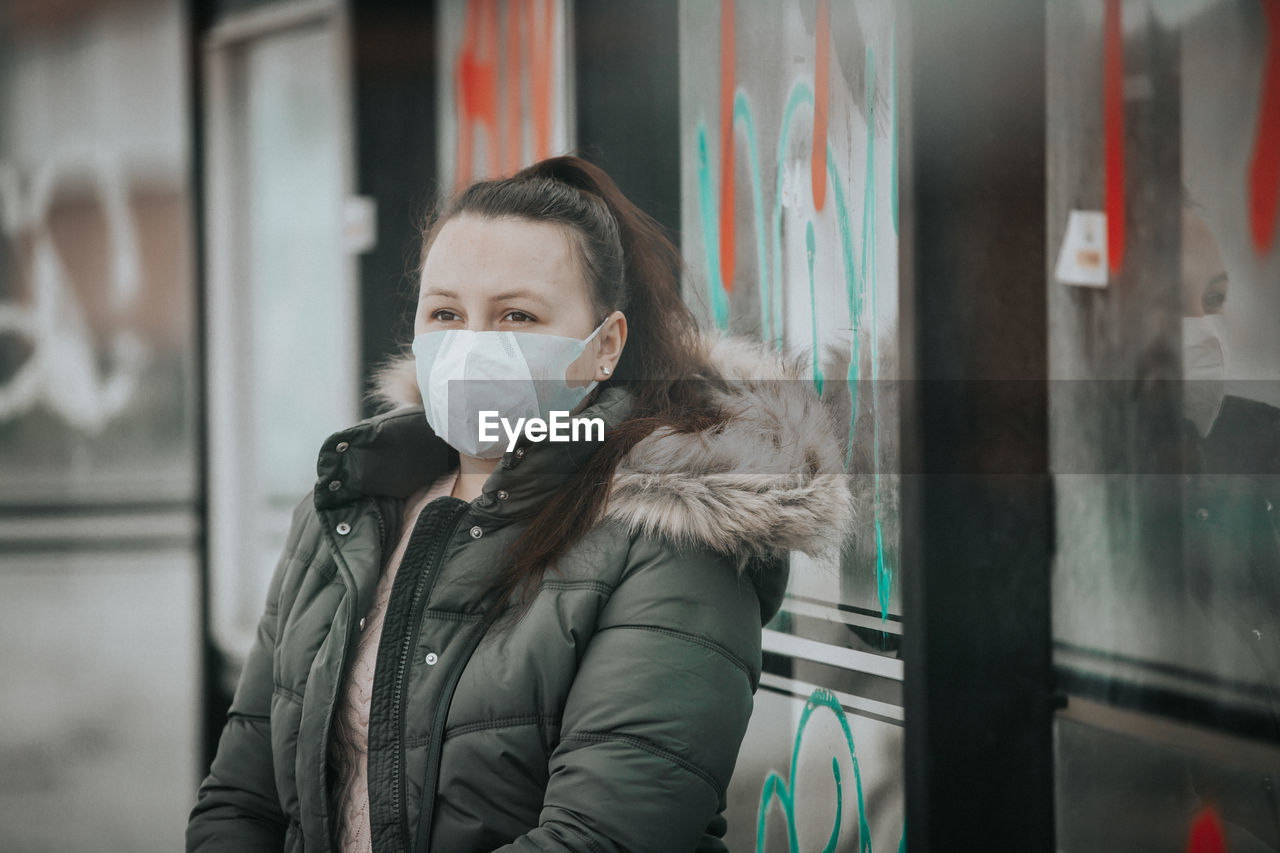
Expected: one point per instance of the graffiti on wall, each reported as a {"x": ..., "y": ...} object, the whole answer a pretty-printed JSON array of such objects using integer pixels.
[
  {"x": 1263, "y": 178},
  {"x": 61, "y": 367},
  {"x": 791, "y": 216},
  {"x": 1264, "y": 166},
  {"x": 853, "y": 239},
  {"x": 778, "y": 788},
  {"x": 505, "y": 90}
]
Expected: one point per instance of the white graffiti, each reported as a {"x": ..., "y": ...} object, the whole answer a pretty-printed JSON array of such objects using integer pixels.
[{"x": 62, "y": 369}]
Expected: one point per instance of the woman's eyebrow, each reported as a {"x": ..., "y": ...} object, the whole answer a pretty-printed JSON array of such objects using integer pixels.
[
  {"x": 497, "y": 297},
  {"x": 519, "y": 294}
]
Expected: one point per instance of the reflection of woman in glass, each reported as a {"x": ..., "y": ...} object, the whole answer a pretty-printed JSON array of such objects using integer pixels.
[
  {"x": 554, "y": 646},
  {"x": 1231, "y": 541},
  {"x": 1239, "y": 435}
]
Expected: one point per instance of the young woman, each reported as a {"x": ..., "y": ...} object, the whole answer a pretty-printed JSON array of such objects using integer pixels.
[{"x": 474, "y": 645}]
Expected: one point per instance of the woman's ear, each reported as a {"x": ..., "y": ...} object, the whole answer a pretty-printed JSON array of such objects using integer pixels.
[{"x": 610, "y": 341}]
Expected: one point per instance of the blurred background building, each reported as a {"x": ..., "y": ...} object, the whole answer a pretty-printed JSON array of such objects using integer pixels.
[{"x": 997, "y": 234}]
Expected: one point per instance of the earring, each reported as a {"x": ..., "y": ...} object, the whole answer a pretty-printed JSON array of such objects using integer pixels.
[{"x": 604, "y": 370}]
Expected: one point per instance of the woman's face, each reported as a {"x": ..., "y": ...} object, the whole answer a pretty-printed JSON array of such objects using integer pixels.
[
  {"x": 1204, "y": 275},
  {"x": 515, "y": 275}
]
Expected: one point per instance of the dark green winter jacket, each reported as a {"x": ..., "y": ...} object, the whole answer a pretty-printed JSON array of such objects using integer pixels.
[{"x": 609, "y": 717}]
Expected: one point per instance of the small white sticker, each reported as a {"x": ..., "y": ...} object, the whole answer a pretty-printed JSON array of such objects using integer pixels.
[{"x": 1083, "y": 257}]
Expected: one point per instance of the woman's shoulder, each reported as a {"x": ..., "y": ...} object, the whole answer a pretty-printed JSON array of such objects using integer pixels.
[
  {"x": 305, "y": 533},
  {"x": 713, "y": 514},
  {"x": 684, "y": 584},
  {"x": 685, "y": 590},
  {"x": 306, "y": 550}
]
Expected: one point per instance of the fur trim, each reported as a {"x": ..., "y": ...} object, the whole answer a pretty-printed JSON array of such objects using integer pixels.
[
  {"x": 769, "y": 480},
  {"x": 395, "y": 383}
]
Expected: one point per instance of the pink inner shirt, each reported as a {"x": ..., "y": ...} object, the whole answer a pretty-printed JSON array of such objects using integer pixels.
[{"x": 349, "y": 746}]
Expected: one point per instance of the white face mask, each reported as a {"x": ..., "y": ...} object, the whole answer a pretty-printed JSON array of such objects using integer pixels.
[
  {"x": 517, "y": 374},
  {"x": 1204, "y": 364}
]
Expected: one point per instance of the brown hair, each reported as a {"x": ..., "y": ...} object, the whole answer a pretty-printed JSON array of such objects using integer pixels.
[{"x": 631, "y": 265}]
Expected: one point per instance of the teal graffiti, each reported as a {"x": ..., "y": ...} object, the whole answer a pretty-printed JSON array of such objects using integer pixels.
[
  {"x": 859, "y": 279},
  {"x": 742, "y": 114},
  {"x": 711, "y": 235},
  {"x": 769, "y": 274},
  {"x": 776, "y": 786},
  {"x": 852, "y": 290},
  {"x": 884, "y": 571},
  {"x": 813, "y": 308},
  {"x": 801, "y": 95}
]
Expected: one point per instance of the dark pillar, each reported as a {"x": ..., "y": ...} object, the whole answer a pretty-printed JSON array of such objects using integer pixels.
[
  {"x": 976, "y": 493},
  {"x": 393, "y": 68},
  {"x": 627, "y": 72}
]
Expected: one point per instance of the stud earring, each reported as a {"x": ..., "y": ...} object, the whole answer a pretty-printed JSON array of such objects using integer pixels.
[{"x": 604, "y": 370}]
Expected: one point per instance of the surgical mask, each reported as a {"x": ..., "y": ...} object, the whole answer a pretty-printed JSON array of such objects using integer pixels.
[
  {"x": 1204, "y": 365},
  {"x": 517, "y": 374}
]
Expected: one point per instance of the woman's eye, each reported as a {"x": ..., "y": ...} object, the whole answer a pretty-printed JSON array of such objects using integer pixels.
[
  {"x": 444, "y": 315},
  {"x": 519, "y": 317}
]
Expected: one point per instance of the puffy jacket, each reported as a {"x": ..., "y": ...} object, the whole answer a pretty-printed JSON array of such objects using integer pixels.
[{"x": 610, "y": 716}]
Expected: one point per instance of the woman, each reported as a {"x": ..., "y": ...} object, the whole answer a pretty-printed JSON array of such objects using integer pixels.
[{"x": 469, "y": 646}]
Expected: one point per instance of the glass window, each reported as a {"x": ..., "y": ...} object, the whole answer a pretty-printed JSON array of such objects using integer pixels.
[
  {"x": 1164, "y": 294},
  {"x": 789, "y": 115},
  {"x": 99, "y": 533}
]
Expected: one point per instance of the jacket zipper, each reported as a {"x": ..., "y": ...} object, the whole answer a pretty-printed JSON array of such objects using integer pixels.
[
  {"x": 382, "y": 533},
  {"x": 423, "y": 583}
]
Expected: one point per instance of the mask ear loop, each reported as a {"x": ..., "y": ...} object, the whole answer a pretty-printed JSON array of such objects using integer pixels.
[
  {"x": 595, "y": 383},
  {"x": 595, "y": 331},
  {"x": 587, "y": 340}
]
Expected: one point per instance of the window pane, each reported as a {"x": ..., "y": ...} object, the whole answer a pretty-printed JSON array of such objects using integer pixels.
[
  {"x": 789, "y": 117},
  {"x": 1164, "y": 292}
]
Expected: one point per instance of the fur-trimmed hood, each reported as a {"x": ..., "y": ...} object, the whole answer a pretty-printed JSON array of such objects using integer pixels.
[{"x": 768, "y": 481}]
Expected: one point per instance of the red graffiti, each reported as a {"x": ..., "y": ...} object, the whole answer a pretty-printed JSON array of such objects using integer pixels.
[
  {"x": 512, "y": 112},
  {"x": 1206, "y": 833},
  {"x": 1264, "y": 171},
  {"x": 476, "y": 80},
  {"x": 821, "y": 94},
  {"x": 1113, "y": 132},
  {"x": 727, "y": 208},
  {"x": 541, "y": 38},
  {"x": 527, "y": 53}
]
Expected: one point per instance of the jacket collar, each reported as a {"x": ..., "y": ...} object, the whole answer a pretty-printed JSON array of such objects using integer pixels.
[{"x": 769, "y": 481}]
